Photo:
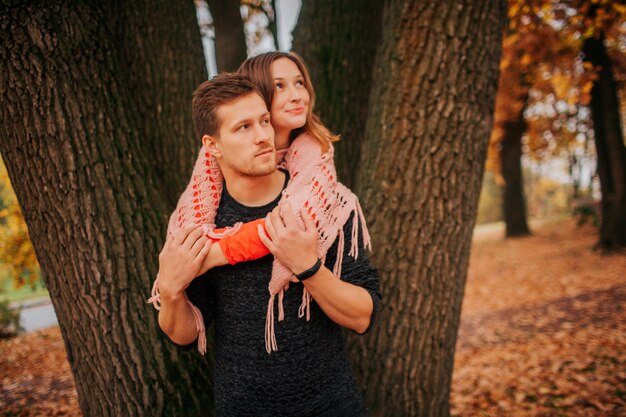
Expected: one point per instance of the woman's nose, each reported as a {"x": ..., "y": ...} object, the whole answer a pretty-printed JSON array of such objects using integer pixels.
[{"x": 294, "y": 94}]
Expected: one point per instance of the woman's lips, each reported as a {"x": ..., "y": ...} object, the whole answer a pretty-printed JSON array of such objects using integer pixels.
[{"x": 297, "y": 110}]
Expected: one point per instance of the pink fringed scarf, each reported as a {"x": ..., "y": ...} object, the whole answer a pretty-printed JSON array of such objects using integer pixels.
[{"x": 312, "y": 187}]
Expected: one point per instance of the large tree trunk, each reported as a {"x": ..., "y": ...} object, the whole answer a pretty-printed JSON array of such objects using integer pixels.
[
  {"x": 610, "y": 148},
  {"x": 230, "y": 38},
  {"x": 339, "y": 47},
  {"x": 96, "y": 133},
  {"x": 432, "y": 103},
  {"x": 513, "y": 202}
]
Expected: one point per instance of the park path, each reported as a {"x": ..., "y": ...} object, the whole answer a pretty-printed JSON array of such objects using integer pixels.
[{"x": 37, "y": 313}]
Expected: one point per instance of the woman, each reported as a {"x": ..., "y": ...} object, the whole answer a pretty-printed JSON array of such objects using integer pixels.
[{"x": 305, "y": 149}]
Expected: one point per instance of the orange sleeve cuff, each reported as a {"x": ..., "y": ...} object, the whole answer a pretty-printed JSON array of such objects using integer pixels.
[{"x": 245, "y": 245}]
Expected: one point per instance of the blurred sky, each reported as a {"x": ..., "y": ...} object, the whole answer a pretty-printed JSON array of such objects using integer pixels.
[{"x": 287, "y": 16}]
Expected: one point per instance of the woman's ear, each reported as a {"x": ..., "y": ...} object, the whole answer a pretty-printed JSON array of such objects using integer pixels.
[{"x": 212, "y": 145}]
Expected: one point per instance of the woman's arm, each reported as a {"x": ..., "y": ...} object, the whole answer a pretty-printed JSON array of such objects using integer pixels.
[
  {"x": 304, "y": 155},
  {"x": 244, "y": 245}
]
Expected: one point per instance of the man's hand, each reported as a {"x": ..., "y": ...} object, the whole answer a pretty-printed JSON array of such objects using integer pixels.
[
  {"x": 344, "y": 303},
  {"x": 181, "y": 259},
  {"x": 293, "y": 247}
]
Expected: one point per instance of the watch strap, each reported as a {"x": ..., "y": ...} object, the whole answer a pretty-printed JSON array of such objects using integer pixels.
[{"x": 310, "y": 272}]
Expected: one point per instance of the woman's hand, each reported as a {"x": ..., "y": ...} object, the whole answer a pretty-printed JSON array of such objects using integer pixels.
[{"x": 293, "y": 247}]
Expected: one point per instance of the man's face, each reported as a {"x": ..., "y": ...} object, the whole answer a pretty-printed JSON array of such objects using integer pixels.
[{"x": 244, "y": 144}]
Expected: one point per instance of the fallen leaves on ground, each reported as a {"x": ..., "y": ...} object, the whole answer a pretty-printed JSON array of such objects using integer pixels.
[
  {"x": 543, "y": 333},
  {"x": 543, "y": 328},
  {"x": 36, "y": 379}
]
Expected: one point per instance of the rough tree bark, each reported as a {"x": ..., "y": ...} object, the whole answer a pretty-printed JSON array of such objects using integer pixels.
[
  {"x": 96, "y": 132},
  {"x": 429, "y": 122},
  {"x": 513, "y": 202},
  {"x": 230, "y": 38},
  {"x": 339, "y": 47},
  {"x": 610, "y": 148}
]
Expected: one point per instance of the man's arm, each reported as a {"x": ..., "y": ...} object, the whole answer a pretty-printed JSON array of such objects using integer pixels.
[
  {"x": 177, "y": 320},
  {"x": 180, "y": 261},
  {"x": 345, "y": 303}
]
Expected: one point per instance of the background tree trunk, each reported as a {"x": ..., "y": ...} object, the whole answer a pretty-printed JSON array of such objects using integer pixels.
[
  {"x": 339, "y": 47},
  {"x": 273, "y": 23},
  {"x": 610, "y": 148},
  {"x": 149, "y": 61},
  {"x": 513, "y": 203},
  {"x": 429, "y": 121},
  {"x": 95, "y": 97},
  {"x": 230, "y": 38}
]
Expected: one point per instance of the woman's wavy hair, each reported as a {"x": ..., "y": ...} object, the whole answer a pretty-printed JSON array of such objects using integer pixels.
[{"x": 259, "y": 69}]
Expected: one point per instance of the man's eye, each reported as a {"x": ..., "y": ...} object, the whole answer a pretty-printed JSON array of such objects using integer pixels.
[
  {"x": 265, "y": 122},
  {"x": 244, "y": 127}
]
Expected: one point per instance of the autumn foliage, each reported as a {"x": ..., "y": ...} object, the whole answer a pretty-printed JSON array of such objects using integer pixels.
[
  {"x": 16, "y": 250},
  {"x": 543, "y": 74}
]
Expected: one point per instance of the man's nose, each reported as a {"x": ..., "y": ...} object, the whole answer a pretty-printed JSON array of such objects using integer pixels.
[{"x": 261, "y": 134}]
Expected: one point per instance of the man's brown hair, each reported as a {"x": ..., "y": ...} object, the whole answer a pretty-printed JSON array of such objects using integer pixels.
[{"x": 211, "y": 94}]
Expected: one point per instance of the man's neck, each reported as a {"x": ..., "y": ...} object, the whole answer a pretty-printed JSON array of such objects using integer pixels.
[{"x": 254, "y": 191}]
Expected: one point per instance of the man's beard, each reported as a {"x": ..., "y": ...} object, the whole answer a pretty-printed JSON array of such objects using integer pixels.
[
  {"x": 254, "y": 171},
  {"x": 260, "y": 172}
]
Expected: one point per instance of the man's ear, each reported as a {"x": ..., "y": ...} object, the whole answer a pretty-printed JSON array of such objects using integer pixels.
[{"x": 212, "y": 145}]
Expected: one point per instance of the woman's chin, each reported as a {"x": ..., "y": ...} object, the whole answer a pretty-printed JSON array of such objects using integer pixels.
[
  {"x": 297, "y": 124},
  {"x": 294, "y": 122}
]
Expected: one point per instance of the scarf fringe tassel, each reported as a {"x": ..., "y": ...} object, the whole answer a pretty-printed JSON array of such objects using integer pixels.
[
  {"x": 305, "y": 306},
  {"x": 155, "y": 300},
  {"x": 270, "y": 335}
]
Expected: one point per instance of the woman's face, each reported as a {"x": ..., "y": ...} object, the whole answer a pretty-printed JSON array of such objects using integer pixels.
[{"x": 290, "y": 105}]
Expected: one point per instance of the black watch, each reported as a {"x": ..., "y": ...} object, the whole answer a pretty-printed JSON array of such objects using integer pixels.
[{"x": 310, "y": 272}]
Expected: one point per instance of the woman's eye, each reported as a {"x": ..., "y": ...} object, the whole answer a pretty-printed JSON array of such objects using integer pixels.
[
  {"x": 300, "y": 82},
  {"x": 279, "y": 85}
]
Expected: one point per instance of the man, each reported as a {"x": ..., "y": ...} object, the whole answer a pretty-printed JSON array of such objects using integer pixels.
[{"x": 310, "y": 374}]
